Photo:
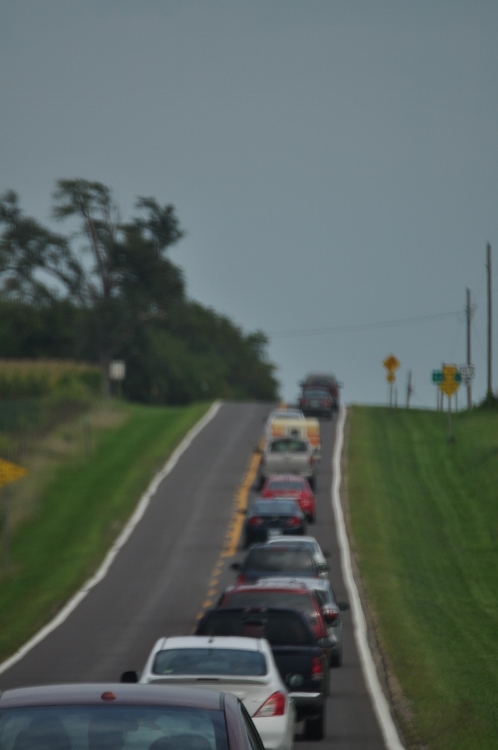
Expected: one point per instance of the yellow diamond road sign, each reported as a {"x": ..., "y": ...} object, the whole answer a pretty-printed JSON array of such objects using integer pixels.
[
  {"x": 10, "y": 472},
  {"x": 449, "y": 387},
  {"x": 391, "y": 363}
]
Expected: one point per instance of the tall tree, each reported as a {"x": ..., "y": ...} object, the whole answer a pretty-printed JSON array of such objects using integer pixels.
[{"x": 126, "y": 260}]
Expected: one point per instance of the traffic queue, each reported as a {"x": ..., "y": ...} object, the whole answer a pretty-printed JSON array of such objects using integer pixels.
[{"x": 277, "y": 630}]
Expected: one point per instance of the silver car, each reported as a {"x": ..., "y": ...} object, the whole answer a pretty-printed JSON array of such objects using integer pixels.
[
  {"x": 243, "y": 666},
  {"x": 288, "y": 455}
]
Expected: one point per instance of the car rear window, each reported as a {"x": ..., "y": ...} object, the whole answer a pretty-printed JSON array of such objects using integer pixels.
[
  {"x": 321, "y": 394},
  {"x": 112, "y": 727},
  {"x": 283, "y": 628},
  {"x": 284, "y": 485},
  {"x": 210, "y": 661},
  {"x": 284, "y": 599},
  {"x": 275, "y": 559},
  {"x": 277, "y": 507},
  {"x": 283, "y": 446}
]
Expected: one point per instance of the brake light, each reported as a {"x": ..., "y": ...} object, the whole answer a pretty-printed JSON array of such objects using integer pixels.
[
  {"x": 274, "y": 706},
  {"x": 294, "y": 521},
  {"x": 241, "y": 578},
  {"x": 255, "y": 521},
  {"x": 316, "y": 668}
]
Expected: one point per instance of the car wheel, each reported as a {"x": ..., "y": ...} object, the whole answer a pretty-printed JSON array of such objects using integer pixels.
[
  {"x": 336, "y": 659},
  {"x": 314, "y": 729},
  {"x": 311, "y": 518}
]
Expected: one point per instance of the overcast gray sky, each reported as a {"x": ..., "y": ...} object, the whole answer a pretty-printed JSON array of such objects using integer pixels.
[{"x": 333, "y": 162}]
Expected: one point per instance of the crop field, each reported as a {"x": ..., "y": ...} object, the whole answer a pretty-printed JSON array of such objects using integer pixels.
[{"x": 425, "y": 527}]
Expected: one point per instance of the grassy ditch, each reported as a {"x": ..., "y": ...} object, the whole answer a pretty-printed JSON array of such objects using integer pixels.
[
  {"x": 84, "y": 481},
  {"x": 425, "y": 527}
]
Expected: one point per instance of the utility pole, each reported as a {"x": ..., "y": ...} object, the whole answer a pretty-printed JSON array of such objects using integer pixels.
[
  {"x": 488, "y": 268},
  {"x": 468, "y": 311},
  {"x": 409, "y": 389}
]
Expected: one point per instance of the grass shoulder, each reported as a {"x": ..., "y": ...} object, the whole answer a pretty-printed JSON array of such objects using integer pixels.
[
  {"x": 84, "y": 480},
  {"x": 425, "y": 532}
]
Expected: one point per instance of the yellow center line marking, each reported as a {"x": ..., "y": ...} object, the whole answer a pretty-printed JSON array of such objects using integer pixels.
[{"x": 234, "y": 528}]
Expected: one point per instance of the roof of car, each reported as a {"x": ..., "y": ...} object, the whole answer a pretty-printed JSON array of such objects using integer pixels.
[
  {"x": 281, "y": 584},
  {"x": 239, "y": 643},
  {"x": 109, "y": 692},
  {"x": 285, "y": 478}
]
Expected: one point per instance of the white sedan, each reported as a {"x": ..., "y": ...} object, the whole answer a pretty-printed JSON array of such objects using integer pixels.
[{"x": 243, "y": 666}]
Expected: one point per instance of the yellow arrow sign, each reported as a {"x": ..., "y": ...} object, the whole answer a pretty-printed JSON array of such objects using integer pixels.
[
  {"x": 391, "y": 363},
  {"x": 10, "y": 472},
  {"x": 449, "y": 387}
]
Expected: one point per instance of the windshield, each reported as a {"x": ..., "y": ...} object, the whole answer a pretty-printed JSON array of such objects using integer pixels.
[
  {"x": 112, "y": 728},
  {"x": 210, "y": 661}
]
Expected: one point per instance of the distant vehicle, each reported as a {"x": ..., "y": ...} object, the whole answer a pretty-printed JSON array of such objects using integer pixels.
[
  {"x": 243, "y": 666},
  {"x": 277, "y": 516},
  {"x": 114, "y": 715},
  {"x": 331, "y": 608},
  {"x": 270, "y": 560},
  {"x": 323, "y": 380},
  {"x": 306, "y": 428},
  {"x": 298, "y": 654},
  {"x": 317, "y": 402},
  {"x": 291, "y": 485},
  {"x": 311, "y": 544},
  {"x": 287, "y": 456}
]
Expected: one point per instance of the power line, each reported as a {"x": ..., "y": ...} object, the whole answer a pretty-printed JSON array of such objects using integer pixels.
[{"x": 359, "y": 326}]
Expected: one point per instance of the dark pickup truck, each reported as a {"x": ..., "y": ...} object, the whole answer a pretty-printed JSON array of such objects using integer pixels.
[{"x": 297, "y": 652}]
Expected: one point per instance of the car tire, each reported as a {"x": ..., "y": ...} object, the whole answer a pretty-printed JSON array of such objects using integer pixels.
[
  {"x": 336, "y": 659},
  {"x": 314, "y": 729}
]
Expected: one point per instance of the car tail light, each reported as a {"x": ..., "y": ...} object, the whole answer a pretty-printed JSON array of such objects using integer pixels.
[
  {"x": 294, "y": 521},
  {"x": 274, "y": 706},
  {"x": 241, "y": 578},
  {"x": 330, "y": 615},
  {"x": 255, "y": 521},
  {"x": 316, "y": 668}
]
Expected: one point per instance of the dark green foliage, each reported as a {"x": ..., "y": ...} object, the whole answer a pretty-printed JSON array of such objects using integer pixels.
[{"x": 127, "y": 302}]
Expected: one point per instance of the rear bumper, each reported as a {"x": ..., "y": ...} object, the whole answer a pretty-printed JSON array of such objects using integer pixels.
[{"x": 308, "y": 704}]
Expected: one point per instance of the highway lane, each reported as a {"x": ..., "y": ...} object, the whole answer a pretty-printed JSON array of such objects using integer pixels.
[{"x": 158, "y": 583}]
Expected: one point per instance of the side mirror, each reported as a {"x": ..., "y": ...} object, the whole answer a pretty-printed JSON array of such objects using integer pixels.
[
  {"x": 325, "y": 643},
  {"x": 235, "y": 566},
  {"x": 130, "y": 676},
  {"x": 344, "y": 606}
]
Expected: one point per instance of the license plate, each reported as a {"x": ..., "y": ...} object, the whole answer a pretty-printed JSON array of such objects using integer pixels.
[{"x": 273, "y": 532}]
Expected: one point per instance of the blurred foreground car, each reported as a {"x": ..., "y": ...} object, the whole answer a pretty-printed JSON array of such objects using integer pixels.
[
  {"x": 243, "y": 666},
  {"x": 270, "y": 560},
  {"x": 278, "y": 517},
  {"x": 290, "y": 485},
  {"x": 109, "y": 716}
]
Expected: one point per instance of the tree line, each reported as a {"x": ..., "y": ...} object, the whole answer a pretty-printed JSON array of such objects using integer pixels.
[{"x": 107, "y": 291}]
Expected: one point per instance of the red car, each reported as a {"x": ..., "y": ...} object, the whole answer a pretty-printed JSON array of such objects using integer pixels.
[{"x": 291, "y": 485}]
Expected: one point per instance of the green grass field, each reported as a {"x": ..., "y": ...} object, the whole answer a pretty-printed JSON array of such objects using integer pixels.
[
  {"x": 425, "y": 526},
  {"x": 83, "y": 500}
]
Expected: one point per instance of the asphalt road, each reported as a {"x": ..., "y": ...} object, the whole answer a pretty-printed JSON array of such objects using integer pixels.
[{"x": 160, "y": 580}]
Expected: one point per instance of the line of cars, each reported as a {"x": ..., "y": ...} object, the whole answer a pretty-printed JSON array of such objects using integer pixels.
[{"x": 257, "y": 663}]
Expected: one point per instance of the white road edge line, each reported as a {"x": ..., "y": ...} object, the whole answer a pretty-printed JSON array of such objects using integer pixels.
[
  {"x": 380, "y": 704},
  {"x": 120, "y": 541}
]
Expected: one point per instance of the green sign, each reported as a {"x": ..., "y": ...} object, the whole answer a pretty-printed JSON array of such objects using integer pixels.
[{"x": 437, "y": 376}]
